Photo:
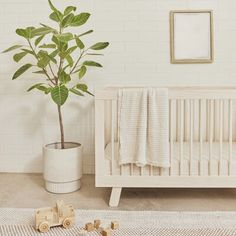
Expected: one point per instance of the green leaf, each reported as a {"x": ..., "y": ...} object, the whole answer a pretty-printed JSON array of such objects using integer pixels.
[
  {"x": 66, "y": 37},
  {"x": 71, "y": 49},
  {"x": 28, "y": 51},
  {"x": 75, "y": 91},
  {"x": 76, "y": 71},
  {"x": 48, "y": 46},
  {"x": 79, "y": 43},
  {"x": 52, "y": 6},
  {"x": 43, "y": 31},
  {"x": 69, "y": 9},
  {"x": 54, "y": 53},
  {"x": 38, "y": 40},
  {"x": 22, "y": 33},
  {"x": 67, "y": 52},
  {"x": 82, "y": 72},
  {"x": 82, "y": 87},
  {"x": 67, "y": 20},
  {"x": 59, "y": 94},
  {"x": 55, "y": 40},
  {"x": 27, "y": 33},
  {"x": 46, "y": 90},
  {"x": 53, "y": 16},
  {"x": 12, "y": 48},
  {"x": 63, "y": 46},
  {"x": 99, "y": 46},
  {"x": 21, "y": 70},
  {"x": 39, "y": 72},
  {"x": 42, "y": 63},
  {"x": 70, "y": 60},
  {"x": 30, "y": 32},
  {"x": 64, "y": 78},
  {"x": 45, "y": 58},
  {"x": 65, "y": 67},
  {"x": 89, "y": 93},
  {"x": 92, "y": 63},
  {"x": 17, "y": 57},
  {"x": 34, "y": 86},
  {"x": 56, "y": 16},
  {"x": 42, "y": 53},
  {"x": 80, "y": 19},
  {"x": 85, "y": 33}
]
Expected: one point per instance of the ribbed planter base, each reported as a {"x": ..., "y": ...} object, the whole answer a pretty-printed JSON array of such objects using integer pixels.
[{"x": 62, "y": 187}]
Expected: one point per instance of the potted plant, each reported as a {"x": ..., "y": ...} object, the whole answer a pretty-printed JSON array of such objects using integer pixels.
[{"x": 59, "y": 55}]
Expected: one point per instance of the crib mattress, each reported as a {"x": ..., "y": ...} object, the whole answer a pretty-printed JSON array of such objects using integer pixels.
[{"x": 185, "y": 166}]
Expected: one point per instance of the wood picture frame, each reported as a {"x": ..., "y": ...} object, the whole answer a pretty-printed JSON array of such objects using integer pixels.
[{"x": 191, "y": 36}]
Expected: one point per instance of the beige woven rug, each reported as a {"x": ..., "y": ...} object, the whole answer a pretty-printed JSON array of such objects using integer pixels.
[{"x": 20, "y": 222}]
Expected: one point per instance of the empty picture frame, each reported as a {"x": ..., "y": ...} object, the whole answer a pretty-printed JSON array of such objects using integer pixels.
[{"x": 191, "y": 36}]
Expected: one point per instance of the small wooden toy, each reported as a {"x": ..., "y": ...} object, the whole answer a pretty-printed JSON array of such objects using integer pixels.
[
  {"x": 97, "y": 223},
  {"x": 106, "y": 232},
  {"x": 89, "y": 227},
  {"x": 47, "y": 217},
  {"x": 103, "y": 226},
  {"x": 114, "y": 225}
]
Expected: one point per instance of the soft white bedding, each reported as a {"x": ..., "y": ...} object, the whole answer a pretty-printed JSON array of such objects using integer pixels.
[
  {"x": 185, "y": 168},
  {"x": 143, "y": 121}
]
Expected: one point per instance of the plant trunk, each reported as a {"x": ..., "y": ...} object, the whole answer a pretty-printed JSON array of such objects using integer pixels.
[{"x": 61, "y": 127}]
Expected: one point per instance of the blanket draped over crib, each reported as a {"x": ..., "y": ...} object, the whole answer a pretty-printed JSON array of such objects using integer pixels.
[{"x": 143, "y": 122}]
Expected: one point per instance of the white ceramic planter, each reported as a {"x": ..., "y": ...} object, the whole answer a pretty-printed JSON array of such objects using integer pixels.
[{"x": 62, "y": 167}]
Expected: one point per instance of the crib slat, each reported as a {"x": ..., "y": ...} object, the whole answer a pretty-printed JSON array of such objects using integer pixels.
[
  {"x": 171, "y": 134},
  {"x": 113, "y": 104},
  {"x": 210, "y": 136},
  {"x": 131, "y": 169},
  {"x": 191, "y": 137},
  {"x": 230, "y": 136},
  {"x": 186, "y": 119},
  {"x": 181, "y": 110},
  {"x": 141, "y": 171},
  {"x": 217, "y": 120},
  {"x": 151, "y": 170},
  {"x": 207, "y": 119},
  {"x": 200, "y": 136},
  {"x": 177, "y": 102},
  {"x": 221, "y": 135}
]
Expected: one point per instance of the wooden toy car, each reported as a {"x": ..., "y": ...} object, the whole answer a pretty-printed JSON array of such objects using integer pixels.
[{"x": 48, "y": 217}]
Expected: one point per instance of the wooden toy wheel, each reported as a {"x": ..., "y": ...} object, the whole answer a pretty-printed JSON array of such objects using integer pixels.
[
  {"x": 67, "y": 223},
  {"x": 44, "y": 227}
]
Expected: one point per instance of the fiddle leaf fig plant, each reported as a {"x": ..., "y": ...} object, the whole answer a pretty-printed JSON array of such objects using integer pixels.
[{"x": 58, "y": 55}]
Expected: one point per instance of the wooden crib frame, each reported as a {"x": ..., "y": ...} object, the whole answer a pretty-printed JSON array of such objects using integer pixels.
[{"x": 223, "y": 97}]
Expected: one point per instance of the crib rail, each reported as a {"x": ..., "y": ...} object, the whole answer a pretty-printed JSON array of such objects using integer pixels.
[{"x": 201, "y": 120}]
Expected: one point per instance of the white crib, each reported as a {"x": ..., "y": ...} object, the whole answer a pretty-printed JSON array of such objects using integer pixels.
[{"x": 202, "y": 142}]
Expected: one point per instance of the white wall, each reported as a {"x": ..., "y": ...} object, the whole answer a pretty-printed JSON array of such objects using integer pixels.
[{"x": 138, "y": 31}]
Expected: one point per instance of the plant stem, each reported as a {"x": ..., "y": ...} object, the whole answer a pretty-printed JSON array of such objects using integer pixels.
[
  {"x": 59, "y": 107},
  {"x": 61, "y": 127},
  {"x": 51, "y": 70},
  {"x": 81, "y": 55}
]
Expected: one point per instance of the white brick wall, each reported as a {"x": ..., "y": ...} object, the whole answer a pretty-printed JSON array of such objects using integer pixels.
[{"x": 138, "y": 31}]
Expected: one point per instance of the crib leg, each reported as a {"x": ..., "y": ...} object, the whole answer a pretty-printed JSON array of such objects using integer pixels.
[{"x": 115, "y": 197}]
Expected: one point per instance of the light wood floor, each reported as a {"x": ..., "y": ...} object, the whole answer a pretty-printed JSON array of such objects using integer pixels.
[{"x": 27, "y": 191}]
